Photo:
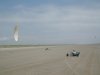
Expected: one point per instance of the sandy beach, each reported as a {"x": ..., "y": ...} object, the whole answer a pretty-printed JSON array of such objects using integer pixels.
[{"x": 38, "y": 61}]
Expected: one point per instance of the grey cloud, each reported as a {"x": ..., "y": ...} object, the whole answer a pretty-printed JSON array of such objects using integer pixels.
[{"x": 68, "y": 22}]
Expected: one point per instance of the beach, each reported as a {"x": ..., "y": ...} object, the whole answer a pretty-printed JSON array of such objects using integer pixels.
[{"x": 36, "y": 60}]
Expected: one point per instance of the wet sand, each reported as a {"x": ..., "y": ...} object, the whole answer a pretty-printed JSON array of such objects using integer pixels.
[{"x": 38, "y": 61}]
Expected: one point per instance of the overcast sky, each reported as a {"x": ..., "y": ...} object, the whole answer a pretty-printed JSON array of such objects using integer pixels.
[{"x": 50, "y": 21}]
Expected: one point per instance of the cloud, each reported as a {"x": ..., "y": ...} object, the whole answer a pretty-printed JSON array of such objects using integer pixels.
[
  {"x": 53, "y": 15},
  {"x": 58, "y": 23}
]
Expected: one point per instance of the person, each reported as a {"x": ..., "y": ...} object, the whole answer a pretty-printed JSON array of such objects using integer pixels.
[
  {"x": 46, "y": 49},
  {"x": 74, "y": 52},
  {"x": 67, "y": 54}
]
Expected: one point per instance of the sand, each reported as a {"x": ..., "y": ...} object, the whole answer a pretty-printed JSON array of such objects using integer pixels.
[{"x": 38, "y": 61}]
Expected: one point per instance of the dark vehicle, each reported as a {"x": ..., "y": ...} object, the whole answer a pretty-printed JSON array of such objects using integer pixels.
[{"x": 73, "y": 53}]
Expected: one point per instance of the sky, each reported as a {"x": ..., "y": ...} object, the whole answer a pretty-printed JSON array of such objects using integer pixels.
[{"x": 50, "y": 21}]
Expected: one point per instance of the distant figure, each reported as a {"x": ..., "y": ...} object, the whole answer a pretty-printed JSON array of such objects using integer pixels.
[
  {"x": 74, "y": 51},
  {"x": 67, "y": 54},
  {"x": 46, "y": 49}
]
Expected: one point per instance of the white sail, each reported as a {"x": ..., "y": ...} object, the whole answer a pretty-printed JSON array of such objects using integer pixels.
[{"x": 16, "y": 33}]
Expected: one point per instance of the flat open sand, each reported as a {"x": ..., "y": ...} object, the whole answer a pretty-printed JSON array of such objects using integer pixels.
[{"x": 38, "y": 61}]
